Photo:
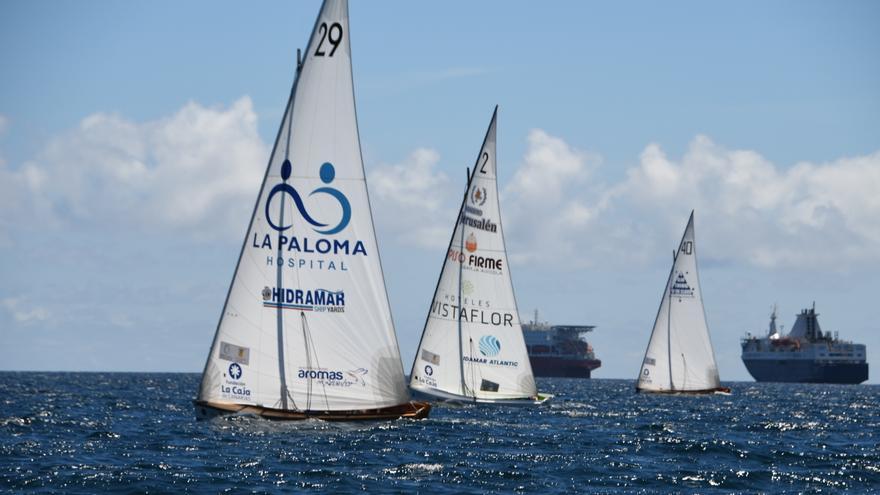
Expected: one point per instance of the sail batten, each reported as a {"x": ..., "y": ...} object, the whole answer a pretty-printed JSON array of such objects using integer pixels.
[
  {"x": 679, "y": 356},
  {"x": 307, "y": 324},
  {"x": 472, "y": 345}
]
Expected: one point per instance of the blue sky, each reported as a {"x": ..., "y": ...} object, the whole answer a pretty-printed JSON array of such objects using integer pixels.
[{"x": 131, "y": 136}]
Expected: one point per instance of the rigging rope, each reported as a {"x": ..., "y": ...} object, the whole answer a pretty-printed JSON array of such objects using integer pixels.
[{"x": 308, "y": 333}]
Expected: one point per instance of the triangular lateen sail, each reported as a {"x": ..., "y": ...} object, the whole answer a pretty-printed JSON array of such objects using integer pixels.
[
  {"x": 472, "y": 346},
  {"x": 679, "y": 357},
  {"x": 306, "y": 325}
]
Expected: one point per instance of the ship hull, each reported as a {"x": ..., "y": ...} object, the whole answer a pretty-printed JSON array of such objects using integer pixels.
[
  {"x": 716, "y": 390},
  {"x": 210, "y": 410},
  {"x": 427, "y": 393},
  {"x": 563, "y": 368},
  {"x": 806, "y": 371}
]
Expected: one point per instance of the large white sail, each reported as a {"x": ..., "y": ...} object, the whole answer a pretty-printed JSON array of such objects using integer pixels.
[
  {"x": 306, "y": 325},
  {"x": 679, "y": 355},
  {"x": 472, "y": 345}
]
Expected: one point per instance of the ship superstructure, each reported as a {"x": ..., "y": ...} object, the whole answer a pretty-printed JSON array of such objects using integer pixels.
[
  {"x": 559, "y": 350},
  {"x": 805, "y": 355}
]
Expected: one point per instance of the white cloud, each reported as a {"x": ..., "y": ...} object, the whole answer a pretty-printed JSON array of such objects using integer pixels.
[
  {"x": 411, "y": 199},
  {"x": 198, "y": 169},
  {"x": 121, "y": 320},
  {"x": 549, "y": 165},
  {"x": 22, "y": 312},
  {"x": 11, "y": 192},
  {"x": 549, "y": 199},
  {"x": 749, "y": 209}
]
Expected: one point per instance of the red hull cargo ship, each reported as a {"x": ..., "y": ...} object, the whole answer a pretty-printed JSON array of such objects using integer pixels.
[{"x": 559, "y": 350}]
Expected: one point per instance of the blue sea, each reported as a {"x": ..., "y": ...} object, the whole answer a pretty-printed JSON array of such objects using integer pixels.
[{"x": 135, "y": 432}]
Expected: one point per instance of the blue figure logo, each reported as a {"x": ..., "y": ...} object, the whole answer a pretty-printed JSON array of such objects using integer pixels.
[
  {"x": 490, "y": 345},
  {"x": 327, "y": 173},
  {"x": 235, "y": 371}
]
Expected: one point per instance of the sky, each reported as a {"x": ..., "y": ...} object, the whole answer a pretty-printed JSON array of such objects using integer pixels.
[{"x": 133, "y": 137}]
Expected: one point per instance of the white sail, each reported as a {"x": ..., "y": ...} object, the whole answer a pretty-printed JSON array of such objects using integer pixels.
[
  {"x": 679, "y": 355},
  {"x": 306, "y": 324},
  {"x": 472, "y": 345}
]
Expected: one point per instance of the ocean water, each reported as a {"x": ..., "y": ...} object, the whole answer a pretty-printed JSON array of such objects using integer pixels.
[{"x": 135, "y": 432}]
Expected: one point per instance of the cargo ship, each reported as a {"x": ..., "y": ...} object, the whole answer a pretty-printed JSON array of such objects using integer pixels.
[
  {"x": 804, "y": 355},
  {"x": 559, "y": 350}
]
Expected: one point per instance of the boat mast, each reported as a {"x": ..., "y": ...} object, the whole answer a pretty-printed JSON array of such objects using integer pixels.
[
  {"x": 460, "y": 272},
  {"x": 669, "y": 325},
  {"x": 279, "y": 311},
  {"x": 300, "y": 62},
  {"x": 302, "y": 317}
]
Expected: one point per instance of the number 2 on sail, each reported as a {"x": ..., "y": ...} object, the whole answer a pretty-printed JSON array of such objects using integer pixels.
[
  {"x": 333, "y": 34},
  {"x": 485, "y": 158}
]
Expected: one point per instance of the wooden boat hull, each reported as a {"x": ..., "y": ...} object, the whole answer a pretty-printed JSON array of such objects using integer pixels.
[
  {"x": 447, "y": 397},
  {"x": 412, "y": 410},
  {"x": 716, "y": 390}
]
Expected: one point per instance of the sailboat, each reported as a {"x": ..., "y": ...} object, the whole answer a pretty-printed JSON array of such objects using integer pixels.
[
  {"x": 472, "y": 347},
  {"x": 306, "y": 328},
  {"x": 679, "y": 358}
]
